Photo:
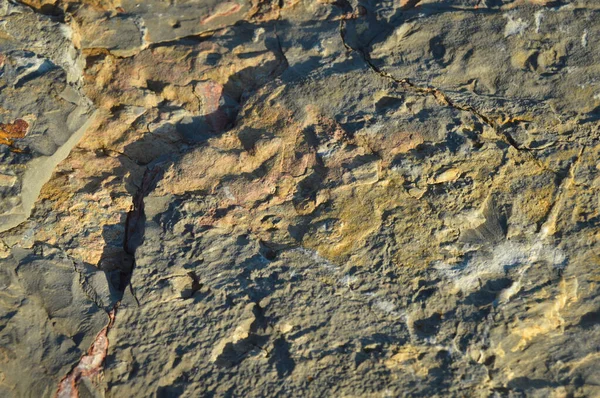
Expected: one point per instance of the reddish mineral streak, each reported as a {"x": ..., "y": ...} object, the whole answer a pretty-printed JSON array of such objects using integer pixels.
[
  {"x": 232, "y": 8},
  {"x": 89, "y": 366},
  {"x": 212, "y": 92}
]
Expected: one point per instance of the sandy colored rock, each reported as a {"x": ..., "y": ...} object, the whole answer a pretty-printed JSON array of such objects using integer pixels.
[{"x": 299, "y": 198}]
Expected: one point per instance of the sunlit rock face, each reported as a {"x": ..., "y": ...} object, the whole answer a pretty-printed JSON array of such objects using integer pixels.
[{"x": 299, "y": 198}]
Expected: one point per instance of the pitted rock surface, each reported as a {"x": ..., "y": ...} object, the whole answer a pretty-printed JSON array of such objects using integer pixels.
[{"x": 299, "y": 198}]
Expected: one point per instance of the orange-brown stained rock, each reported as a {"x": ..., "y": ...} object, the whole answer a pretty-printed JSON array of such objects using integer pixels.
[
  {"x": 11, "y": 131},
  {"x": 407, "y": 4},
  {"x": 98, "y": 4},
  {"x": 17, "y": 129},
  {"x": 38, "y": 4}
]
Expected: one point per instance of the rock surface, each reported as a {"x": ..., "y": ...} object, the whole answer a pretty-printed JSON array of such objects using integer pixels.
[{"x": 299, "y": 198}]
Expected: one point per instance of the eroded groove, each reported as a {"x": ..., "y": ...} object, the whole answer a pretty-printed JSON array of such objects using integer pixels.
[{"x": 91, "y": 364}]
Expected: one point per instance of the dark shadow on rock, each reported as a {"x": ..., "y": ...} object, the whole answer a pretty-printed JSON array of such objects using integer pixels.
[
  {"x": 175, "y": 390},
  {"x": 280, "y": 357},
  {"x": 155, "y": 150},
  {"x": 234, "y": 353},
  {"x": 589, "y": 320},
  {"x": 592, "y": 116},
  {"x": 117, "y": 259},
  {"x": 488, "y": 293},
  {"x": 382, "y": 29},
  {"x": 527, "y": 384},
  {"x": 428, "y": 327}
]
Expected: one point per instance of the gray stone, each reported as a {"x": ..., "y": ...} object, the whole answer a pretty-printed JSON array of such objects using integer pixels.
[{"x": 300, "y": 198}]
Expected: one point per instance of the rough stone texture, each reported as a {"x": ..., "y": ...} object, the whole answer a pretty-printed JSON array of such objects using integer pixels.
[
  {"x": 299, "y": 198},
  {"x": 42, "y": 112}
]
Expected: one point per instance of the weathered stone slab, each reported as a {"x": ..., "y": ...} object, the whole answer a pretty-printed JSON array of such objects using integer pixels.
[{"x": 299, "y": 198}]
